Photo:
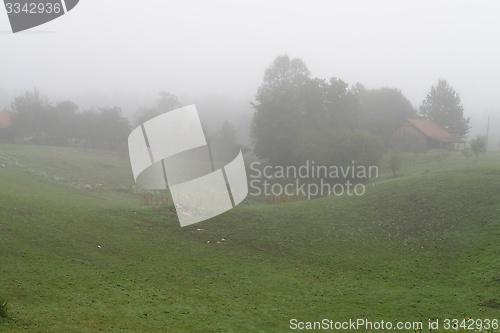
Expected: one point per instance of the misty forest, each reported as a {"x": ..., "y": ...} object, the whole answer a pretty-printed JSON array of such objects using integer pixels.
[{"x": 296, "y": 118}]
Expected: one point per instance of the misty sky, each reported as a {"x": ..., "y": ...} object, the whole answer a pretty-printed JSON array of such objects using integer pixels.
[{"x": 116, "y": 52}]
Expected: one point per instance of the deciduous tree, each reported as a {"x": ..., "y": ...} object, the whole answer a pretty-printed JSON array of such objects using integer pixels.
[
  {"x": 279, "y": 109},
  {"x": 30, "y": 115},
  {"x": 478, "y": 146},
  {"x": 383, "y": 110}
]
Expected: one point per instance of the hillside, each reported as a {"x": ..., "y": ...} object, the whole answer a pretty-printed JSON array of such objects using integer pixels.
[{"x": 78, "y": 253}]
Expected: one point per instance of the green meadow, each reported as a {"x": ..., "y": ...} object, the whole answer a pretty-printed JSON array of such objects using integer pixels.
[{"x": 79, "y": 253}]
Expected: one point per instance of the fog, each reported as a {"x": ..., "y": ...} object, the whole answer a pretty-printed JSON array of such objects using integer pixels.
[{"x": 106, "y": 53}]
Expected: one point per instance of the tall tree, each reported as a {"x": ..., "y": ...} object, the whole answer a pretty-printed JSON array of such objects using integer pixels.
[
  {"x": 113, "y": 127},
  {"x": 64, "y": 122},
  {"x": 283, "y": 74},
  {"x": 87, "y": 127},
  {"x": 298, "y": 118},
  {"x": 227, "y": 133},
  {"x": 31, "y": 115},
  {"x": 279, "y": 109},
  {"x": 383, "y": 110},
  {"x": 223, "y": 145},
  {"x": 444, "y": 107},
  {"x": 167, "y": 102},
  {"x": 342, "y": 105}
]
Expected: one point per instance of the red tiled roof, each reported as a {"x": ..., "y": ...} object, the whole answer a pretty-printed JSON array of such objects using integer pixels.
[
  {"x": 433, "y": 130},
  {"x": 5, "y": 119}
]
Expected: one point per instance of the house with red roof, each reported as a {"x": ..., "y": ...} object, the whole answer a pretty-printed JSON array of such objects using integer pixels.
[
  {"x": 5, "y": 127},
  {"x": 423, "y": 134}
]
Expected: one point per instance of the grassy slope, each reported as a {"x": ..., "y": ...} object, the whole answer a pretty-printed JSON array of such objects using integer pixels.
[{"x": 411, "y": 249}]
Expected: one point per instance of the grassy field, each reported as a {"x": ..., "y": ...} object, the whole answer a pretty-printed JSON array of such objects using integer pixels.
[{"x": 78, "y": 253}]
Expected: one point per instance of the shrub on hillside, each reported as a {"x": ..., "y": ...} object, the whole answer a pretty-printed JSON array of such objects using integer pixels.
[
  {"x": 4, "y": 307},
  {"x": 395, "y": 162}
]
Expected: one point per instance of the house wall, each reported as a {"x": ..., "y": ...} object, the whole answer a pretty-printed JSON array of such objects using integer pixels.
[
  {"x": 435, "y": 144},
  {"x": 408, "y": 138}
]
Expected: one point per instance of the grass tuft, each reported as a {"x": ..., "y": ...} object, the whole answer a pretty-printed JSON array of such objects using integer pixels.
[
  {"x": 4, "y": 309},
  {"x": 491, "y": 303}
]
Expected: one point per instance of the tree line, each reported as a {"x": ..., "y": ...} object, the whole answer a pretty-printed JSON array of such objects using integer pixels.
[
  {"x": 300, "y": 118},
  {"x": 36, "y": 120},
  {"x": 297, "y": 118}
]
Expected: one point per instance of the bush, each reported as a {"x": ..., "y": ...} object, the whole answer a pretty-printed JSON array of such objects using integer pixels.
[
  {"x": 4, "y": 307},
  {"x": 478, "y": 146},
  {"x": 491, "y": 303},
  {"x": 467, "y": 153},
  {"x": 395, "y": 162},
  {"x": 327, "y": 147}
]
